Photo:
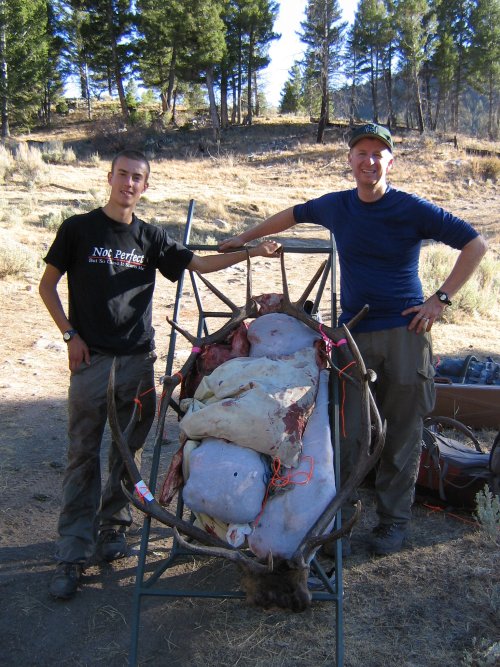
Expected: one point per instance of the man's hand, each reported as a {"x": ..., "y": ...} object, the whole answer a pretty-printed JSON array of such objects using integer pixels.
[
  {"x": 77, "y": 352},
  {"x": 425, "y": 315},
  {"x": 265, "y": 249},
  {"x": 231, "y": 244}
]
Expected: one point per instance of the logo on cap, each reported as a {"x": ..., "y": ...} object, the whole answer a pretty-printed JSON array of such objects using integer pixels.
[{"x": 371, "y": 130}]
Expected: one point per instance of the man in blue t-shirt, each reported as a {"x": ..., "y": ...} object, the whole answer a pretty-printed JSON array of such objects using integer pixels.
[
  {"x": 110, "y": 257},
  {"x": 379, "y": 231}
]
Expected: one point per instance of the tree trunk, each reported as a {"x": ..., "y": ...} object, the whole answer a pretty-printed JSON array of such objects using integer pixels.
[
  {"x": 235, "y": 101},
  {"x": 171, "y": 78},
  {"x": 256, "y": 94},
  {"x": 323, "y": 116},
  {"x": 240, "y": 76},
  {"x": 174, "y": 107},
  {"x": 491, "y": 97},
  {"x": 418, "y": 102},
  {"x": 116, "y": 63},
  {"x": 224, "y": 114},
  {"x": 163, "y": 100},
  {"x": 213, "y": 106},
  {"x": 248, "y": 119},
  {"x": 4, "y": 81},
  {"x": 87, "y": 91},
  {"x": 391, "y": 120}
]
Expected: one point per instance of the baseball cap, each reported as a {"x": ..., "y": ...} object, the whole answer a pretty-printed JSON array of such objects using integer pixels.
[{"x": 373, "y": 131}]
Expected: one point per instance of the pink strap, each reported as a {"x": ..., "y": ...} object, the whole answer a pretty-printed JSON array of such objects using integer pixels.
[
  {"x": 197, "y": 350},
  {"x": 329, "y": 343}
]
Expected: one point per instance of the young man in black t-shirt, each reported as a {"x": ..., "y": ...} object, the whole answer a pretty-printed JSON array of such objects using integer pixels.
[{"x": 110, "y": 257}]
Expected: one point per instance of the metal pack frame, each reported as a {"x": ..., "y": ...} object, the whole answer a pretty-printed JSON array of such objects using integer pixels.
[{"x": 151, "y": 584}]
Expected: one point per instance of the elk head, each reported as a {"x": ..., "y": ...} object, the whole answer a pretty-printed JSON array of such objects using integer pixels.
[{"x": 277, "y": 582}]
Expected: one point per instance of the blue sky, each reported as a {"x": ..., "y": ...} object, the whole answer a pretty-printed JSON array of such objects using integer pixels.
[{"x": 289, "y": 48}]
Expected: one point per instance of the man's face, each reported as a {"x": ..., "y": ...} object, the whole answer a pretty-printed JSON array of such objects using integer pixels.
[
  {"x": 128, "y": 181},
  {"x": 371, "y": 161}
]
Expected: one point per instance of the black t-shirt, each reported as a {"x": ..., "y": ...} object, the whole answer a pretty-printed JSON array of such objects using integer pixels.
[{"x": 111, "y": 269}]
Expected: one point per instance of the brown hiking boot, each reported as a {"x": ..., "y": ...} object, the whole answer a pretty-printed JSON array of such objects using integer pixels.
[
  {"x": 388, "y": 538},
  {"x": 66, "y": 580},
  {"x": 112, "y": 544}
]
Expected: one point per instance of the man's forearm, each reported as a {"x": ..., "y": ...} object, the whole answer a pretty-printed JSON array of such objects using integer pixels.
[
  {"x": 275, "y": 224},
  {"x": 467, "y": 262}
]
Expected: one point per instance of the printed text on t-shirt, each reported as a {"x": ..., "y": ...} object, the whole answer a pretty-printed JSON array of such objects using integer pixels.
[{"x": 117, "y": 257}]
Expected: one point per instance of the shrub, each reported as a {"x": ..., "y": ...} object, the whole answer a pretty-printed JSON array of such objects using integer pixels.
[
  {"x": 488, "y": 513},
  {"x": 486, "y": 168},
  {"x": 6, "y": 162},
  {"x": 52, "y": 221},
  {"x": 479, "y": 295},
  {"x": 54, "y": 152},
  {"x": 15, "y": 258},
  {"x": 30, "y": 165}
]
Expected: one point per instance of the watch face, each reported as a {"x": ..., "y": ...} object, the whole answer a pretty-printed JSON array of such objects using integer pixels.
[
  {"x": 443, "y": 297},
  {"x": 67, "y": 336}
]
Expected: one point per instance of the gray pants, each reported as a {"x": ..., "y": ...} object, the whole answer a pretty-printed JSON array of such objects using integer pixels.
[
  {"x": 404, "y": 392},
  {"x": 84, "y": 508}
]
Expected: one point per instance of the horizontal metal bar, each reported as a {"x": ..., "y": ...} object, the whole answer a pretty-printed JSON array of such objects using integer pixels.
[{"x": 312, "y": 250}]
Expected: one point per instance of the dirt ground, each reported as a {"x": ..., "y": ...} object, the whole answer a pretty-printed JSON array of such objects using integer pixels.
[{"x": 435, "y": 603}]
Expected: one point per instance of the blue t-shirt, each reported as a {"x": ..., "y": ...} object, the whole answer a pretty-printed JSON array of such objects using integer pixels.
[{"x": 379, "y": 247}]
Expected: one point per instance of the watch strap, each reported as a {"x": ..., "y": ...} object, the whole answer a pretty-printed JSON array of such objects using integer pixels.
[
  {"x": 69, "y": 334},
  {"x": 443, "y": 297}
]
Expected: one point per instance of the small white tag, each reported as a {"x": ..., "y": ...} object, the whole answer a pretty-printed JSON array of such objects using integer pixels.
[{"x": 143, "y": 490}]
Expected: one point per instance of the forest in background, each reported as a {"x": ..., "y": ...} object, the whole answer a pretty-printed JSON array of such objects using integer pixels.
[{"x": 422, "y": 64}]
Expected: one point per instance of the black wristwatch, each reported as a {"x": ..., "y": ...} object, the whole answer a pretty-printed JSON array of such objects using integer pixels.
[
  {"x": 69, "y": 334},
  {"x": 443, "y": 297}
]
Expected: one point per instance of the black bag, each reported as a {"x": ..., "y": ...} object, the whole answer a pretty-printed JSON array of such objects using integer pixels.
[{"x": 451, "y": 472}]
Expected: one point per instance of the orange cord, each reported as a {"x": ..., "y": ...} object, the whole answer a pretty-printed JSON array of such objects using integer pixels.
[
  {"x": 292, "y": 477},
  {"x": 436, "y": 508}
]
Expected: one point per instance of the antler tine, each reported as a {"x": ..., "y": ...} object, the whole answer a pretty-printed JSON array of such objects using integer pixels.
[
  {"x": 192, "y": 339},
  {"x": 284, "y": 280},
  {"x": 249, "y": 278},
  {"x": 217, "y": 292},
  {"x": 148, "y": 504},
  {"x": 312, "y": 283},
  {"x": 368, "y": 455},
  {"x": 234, "y": 555},
  {"x": 336, "y": 534}
]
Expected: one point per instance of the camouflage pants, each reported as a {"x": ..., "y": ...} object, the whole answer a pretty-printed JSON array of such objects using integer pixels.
[
  {"x": 85, "y": 508},
  {"x": 404, "y": 392}
]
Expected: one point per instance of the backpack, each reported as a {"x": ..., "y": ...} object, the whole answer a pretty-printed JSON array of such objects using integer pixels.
[
  {"x": 468, "y": 370},
  {"x": 451, "y": 472}
]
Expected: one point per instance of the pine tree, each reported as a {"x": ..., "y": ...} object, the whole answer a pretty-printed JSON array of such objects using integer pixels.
[
  {"x": 322, "y": 31},
  {"x": 370, "y": 35},
  {"x": 160, "y": 24},
  {"x": 23, "y": 57},
  {"x": 412, "y": 17},
  {"x": 485, "y": 57},
  {"x": 291, "y": 96}
]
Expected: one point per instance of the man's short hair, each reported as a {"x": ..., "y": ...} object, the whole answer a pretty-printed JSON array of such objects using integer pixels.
[
  {"x": 373, "y": 131},
  {"x": 131, "y": 154}
]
